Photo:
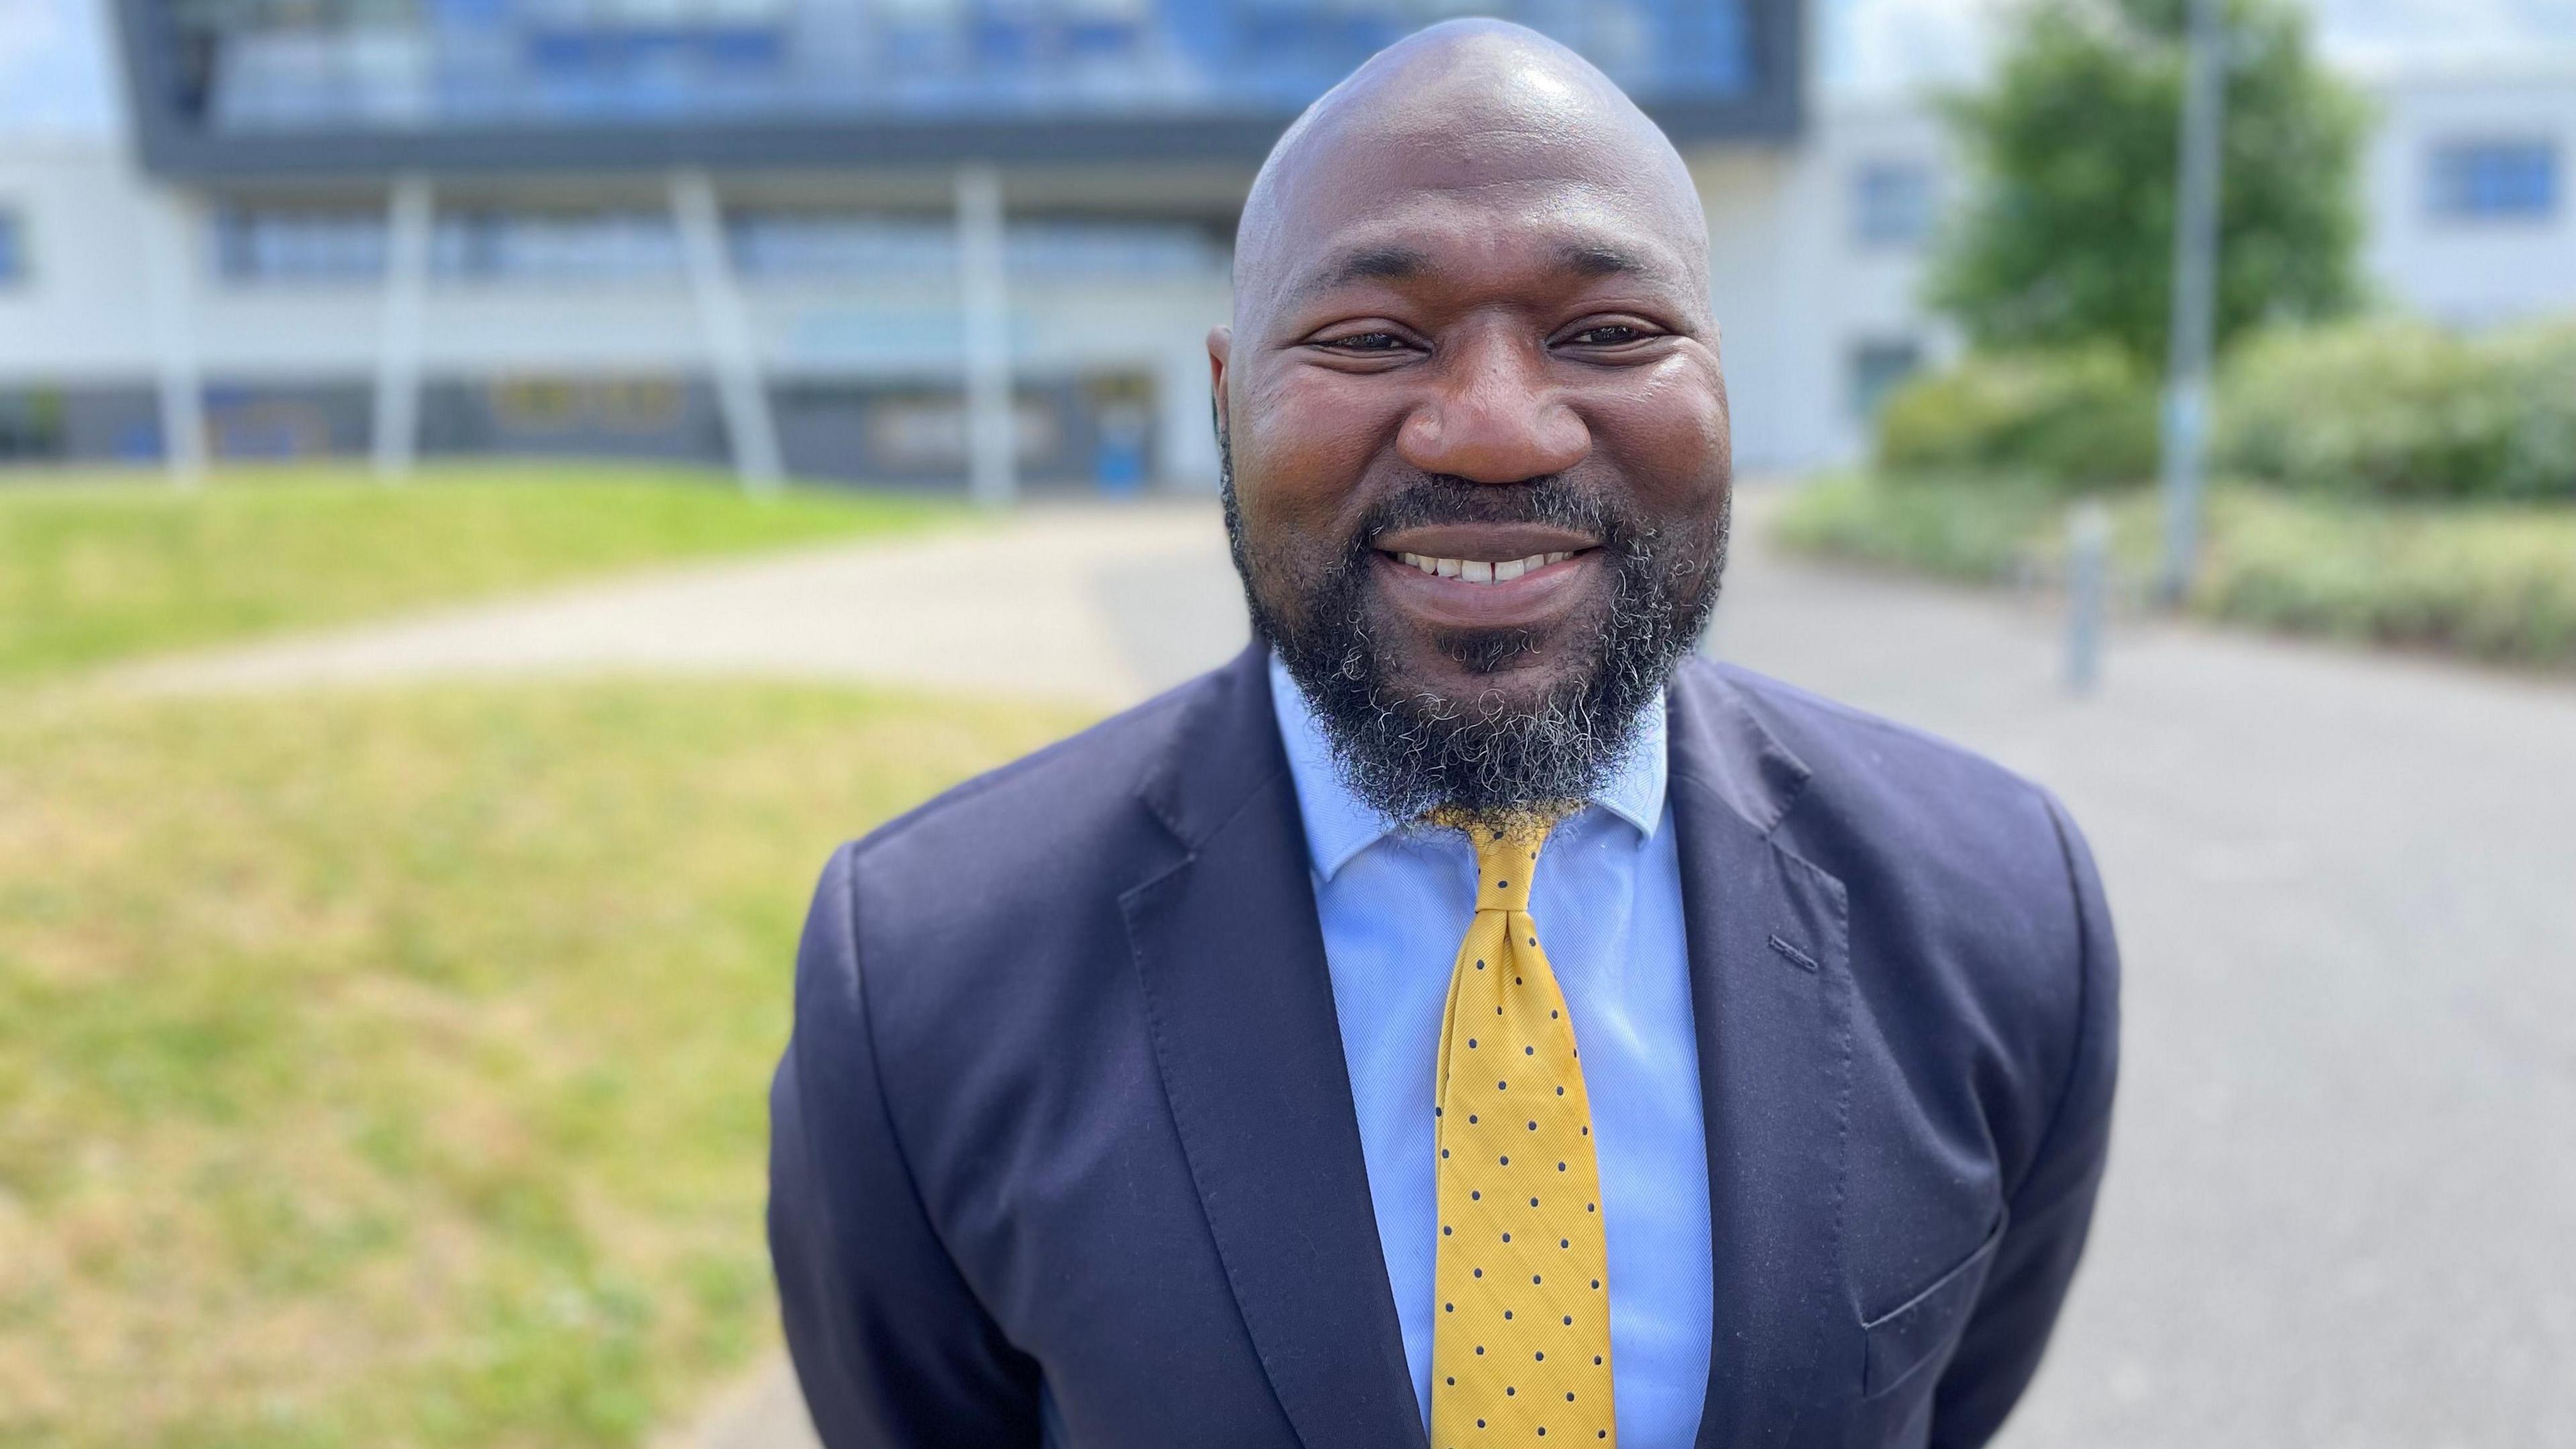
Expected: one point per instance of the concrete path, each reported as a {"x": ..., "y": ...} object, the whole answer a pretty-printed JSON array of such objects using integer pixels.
[
  {"x": 2343, "y": 1206},
  {"x": 1056, "y": 601}
]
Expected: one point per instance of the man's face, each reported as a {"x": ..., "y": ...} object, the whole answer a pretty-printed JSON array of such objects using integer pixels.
[{"x": 1477, "y": 439}]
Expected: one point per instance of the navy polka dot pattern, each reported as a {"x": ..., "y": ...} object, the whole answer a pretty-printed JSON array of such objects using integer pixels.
[{"x": 1521, "y": 1267}]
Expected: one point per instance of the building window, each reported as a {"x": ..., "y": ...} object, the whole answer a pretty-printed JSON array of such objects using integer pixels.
[
  {"x": 1891, "y": 203},
  {"x": 591, "y": 246},
  {"x": 1877, "y": 368},
  {"x": 829, "y": 244},
  {"x": 31, "y": 425},
  {"x": 2495, "y": 180},
  {"x": 326, "y": 67},
  {"x": 781, "y": 245},
  {"x": 298, "y": 244},
  {"x": 13, "y": 250},
  {"x": 537, "y": 405}
]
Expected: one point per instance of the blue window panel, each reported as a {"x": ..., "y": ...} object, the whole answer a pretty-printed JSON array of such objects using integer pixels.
[
  {"x": 1878, "y": 368},
  {"x": 1891, "y": 203},
  {"x": 568, "y": 247},
  {"x": 2495, "y": 180},
  {"x": 503, "y": 61},
  {"x": 13, "y": 250},
  {"x": 254, "y": 245}
]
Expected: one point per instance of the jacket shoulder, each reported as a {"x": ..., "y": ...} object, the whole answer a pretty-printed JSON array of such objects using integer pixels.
[
  {"x": 1854, "y": 756},
  {"x": 1946, "y": 854},
  {"x": 1036, "y": 819},
  {"x": 1003, "y": 888}
]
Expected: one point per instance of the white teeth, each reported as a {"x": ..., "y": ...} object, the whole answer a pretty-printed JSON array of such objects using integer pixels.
[{"x": 1478, "y": 571}]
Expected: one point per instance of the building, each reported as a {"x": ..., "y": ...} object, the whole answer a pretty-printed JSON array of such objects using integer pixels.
[
  {"x": 907, "y": 242},
  {"x": 2472, "y": 203},
  {"x": 2468, "y": 215},
  {"x": 942, "y": 242}
]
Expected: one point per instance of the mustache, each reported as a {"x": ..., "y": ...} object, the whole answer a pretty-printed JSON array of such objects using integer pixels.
[{"x": 1429, "y": 499}]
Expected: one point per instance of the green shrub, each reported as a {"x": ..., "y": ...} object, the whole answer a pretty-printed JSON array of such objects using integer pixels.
[
  {"x": 2539, "y": 366},
  {"x": 2404, "y": 410},
  {"x": 2494, "y": 581},
  {"x": 2074, "y": 421},
  {"x": 1975, "y": 529},
  {"x": 2488, "y": 580}
]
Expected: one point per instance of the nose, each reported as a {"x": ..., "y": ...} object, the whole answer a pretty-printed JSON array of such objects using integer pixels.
[{"x": 1492, "y": 415}]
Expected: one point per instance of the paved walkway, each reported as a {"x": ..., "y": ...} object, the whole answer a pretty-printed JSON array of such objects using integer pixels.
[
  {"x": 2342, "y": 1202},
  {"x": 1076, "y": 602},
  {"x": 2342, "y": 1210}
]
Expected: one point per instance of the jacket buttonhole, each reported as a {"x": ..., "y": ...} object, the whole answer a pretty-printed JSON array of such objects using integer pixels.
[{"x": 1797, "y": 958}]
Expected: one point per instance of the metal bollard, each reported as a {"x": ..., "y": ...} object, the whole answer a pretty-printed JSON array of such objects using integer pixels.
[{"x": 2088, "y": 588}]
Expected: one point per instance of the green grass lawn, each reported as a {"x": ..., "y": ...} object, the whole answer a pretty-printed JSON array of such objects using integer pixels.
[
  {"x": 389, "y": 1068},
  {"x": 103, "y": 568},
  {"x": 2490, "y": 581}
]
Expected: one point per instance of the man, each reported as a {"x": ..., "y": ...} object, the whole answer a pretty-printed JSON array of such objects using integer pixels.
[{"x": 1466, "y": 1017}]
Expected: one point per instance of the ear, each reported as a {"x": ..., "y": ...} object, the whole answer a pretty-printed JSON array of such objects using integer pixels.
[{"x": 1220, "y": 345}]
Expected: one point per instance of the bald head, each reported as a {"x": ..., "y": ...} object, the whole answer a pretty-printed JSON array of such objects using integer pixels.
[
  {"x": 1470, "y": 111},
  {"x": 1472, "y": 418}
]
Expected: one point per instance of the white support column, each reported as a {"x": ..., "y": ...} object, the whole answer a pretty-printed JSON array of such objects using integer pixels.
[
  {"x": 1187, "y": 446},
  {"x": 992, "y": 424},
  {"x": 740, "y": 392},
  {"x": 396, "y": 432},
  {"x": 171, "y": 251}
]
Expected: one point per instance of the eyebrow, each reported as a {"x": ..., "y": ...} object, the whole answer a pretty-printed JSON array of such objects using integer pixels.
[
  {"x": 1599, "y": 259},
  {"x": 1390, "y": 262},
  {"x": 1395, "y": 262}
]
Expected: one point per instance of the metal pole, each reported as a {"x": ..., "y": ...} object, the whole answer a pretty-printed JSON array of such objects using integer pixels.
[
  {"x": 397, "y": 418},
  {"x": 2088, "y": 590},
  {"x": 170, "y": 254},
  {"x": 740, "y": 393},
  {"x": 992, "y": 461},
  {"x": 2195, "y": 290}
]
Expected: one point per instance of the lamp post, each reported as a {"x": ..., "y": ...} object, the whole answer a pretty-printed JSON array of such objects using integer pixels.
[{"x": 2195, "y": 289}]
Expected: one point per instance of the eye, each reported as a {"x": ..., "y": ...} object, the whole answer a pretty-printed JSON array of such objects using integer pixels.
[
  {"x": 1608, "y": 334},
  {"x": 1364, "y": 342}
]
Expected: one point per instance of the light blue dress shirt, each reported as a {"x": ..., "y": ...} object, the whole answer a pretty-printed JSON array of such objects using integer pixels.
[{"x": 1394, "y": 902}]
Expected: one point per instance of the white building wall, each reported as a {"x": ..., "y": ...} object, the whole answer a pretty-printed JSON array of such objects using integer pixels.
[
  {"x": 82, "y": 314},
  {"x": 1843, "y": 290},
  {"x": 1745, "y": 193},
  {"x": 1800, "y": 290},
  {"x": 2469, "y": 271}
]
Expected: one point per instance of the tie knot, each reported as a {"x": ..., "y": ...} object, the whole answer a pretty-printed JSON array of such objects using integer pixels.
[{"x": 1506, "y": 854}]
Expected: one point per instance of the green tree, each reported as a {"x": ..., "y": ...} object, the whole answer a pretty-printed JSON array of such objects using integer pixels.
[{"x": 2068, "y": 237}]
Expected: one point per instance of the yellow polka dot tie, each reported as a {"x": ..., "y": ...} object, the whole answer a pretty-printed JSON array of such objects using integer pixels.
[{"x": 1520, "y": 1350}]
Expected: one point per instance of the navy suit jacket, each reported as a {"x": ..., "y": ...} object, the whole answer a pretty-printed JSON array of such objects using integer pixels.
[{"x": 1064, "y": 1132}]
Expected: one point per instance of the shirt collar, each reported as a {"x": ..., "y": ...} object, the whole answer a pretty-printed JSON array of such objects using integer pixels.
[{"x": 1339, "y": 825}]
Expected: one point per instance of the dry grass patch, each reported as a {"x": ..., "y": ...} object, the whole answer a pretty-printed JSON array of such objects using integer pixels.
[{"x": 389, "y": 1068}]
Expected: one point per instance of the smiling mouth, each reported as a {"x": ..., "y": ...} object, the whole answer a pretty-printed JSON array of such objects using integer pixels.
[{"x": 1482, "y": 571}]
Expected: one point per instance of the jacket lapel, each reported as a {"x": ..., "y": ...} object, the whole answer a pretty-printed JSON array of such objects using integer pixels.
[
  {"x": 1241, "y": 1011},
  {"x": 1771, "y": 1000}
]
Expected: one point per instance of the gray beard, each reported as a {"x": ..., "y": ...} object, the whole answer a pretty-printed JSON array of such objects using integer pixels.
[{"x": 1407, "y": 751}]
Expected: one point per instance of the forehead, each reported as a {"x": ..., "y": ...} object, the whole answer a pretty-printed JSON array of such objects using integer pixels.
[{"x": 1500, "y": 234}]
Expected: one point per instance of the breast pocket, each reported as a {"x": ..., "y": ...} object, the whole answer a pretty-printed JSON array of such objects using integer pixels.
[{"x": 1925, "y": 1327}]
